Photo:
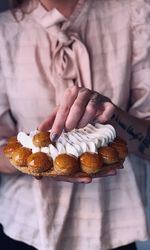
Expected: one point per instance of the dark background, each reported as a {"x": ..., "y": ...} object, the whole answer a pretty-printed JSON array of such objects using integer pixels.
[{"x": 3, "y": 5}]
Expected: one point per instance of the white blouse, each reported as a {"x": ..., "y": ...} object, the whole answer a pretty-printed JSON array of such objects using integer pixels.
[{"x": 105, "y": 46}]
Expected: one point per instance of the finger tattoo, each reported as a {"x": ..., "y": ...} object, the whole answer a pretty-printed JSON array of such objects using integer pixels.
[{"x": 98, "y": 99}]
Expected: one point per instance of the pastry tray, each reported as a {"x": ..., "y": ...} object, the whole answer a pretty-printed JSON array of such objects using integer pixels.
[{"x": 52, "y": 173}]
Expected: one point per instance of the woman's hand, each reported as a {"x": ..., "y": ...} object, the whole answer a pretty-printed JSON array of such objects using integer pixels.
[
  {"x": 5, "y": 166},
  {"x": 8, "y": 169},
  {"x": 85, "y": 180},
  {"x": 79, "y": 107}
]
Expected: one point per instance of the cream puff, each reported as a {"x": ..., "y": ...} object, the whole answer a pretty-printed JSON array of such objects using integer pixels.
[
  {"x": 120, "y": 140},
  {"x": 39, "y": 162},
  {"x": 109, "y": 155},
  {"x": 91, "y": 163},
  {"x": 65, "y": 164},
  {"x": 20, "y": 156},
  {"x": 42, "y": 139},
  {"x": 10, "y": 148},
  {"x": 12, "y": 139},
  {"x": 121, "y": 149}
]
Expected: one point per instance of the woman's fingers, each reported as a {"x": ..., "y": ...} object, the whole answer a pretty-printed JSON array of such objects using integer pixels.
[
  {"x": 95, "y": 109},
  {"x": 105, "y": 112},
  {"x": 70, "y": 111},
  {"x": 84, "y": 180},
  {"x": 48, "y": 122},
  {"x": 63, "y": 111},
  {"x": 10, "y": 170},
  {"x": 79, "y": 107},
  {"x": 109, "y": 173},
  {"x": 95, "y": 102}
]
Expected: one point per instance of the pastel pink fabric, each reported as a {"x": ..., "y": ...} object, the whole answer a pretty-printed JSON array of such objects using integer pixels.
[{"x": 104, "y": 46}]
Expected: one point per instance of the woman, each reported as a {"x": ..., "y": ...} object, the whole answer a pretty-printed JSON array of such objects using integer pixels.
[{"x": 78, "y": 61}]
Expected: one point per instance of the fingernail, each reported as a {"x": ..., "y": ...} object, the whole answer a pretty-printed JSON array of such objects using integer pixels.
[
  {"x": 38, "y": 177},
  {"x": 54, "y": 137},
  {"x": 113, "y": 173}
]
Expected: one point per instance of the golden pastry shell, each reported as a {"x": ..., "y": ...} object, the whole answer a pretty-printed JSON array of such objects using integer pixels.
[
  {"x": 43, "y": 167},
  {"x": 121, "y": 149},
  {"x": 108, "y": 154},
  {"x": 39, "y": 162},
  {"x": 10, "y": 148},
  {"x": 41, "y": 139},
  {"x": 90, "y": 163},
  {"x": 66, "y": 164},
  {"x": 20, "y": 156}
]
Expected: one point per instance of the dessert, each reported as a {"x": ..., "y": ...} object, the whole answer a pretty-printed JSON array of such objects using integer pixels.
[
  {"x": 10, "y": 148},
  {"x": 121, "y": 147},
  {"x": 91, "y": 163},
  {"x": 12, "y": 139},
  {"x": 85, "y": 151},
  {"x": 109, "y": 155},
  {"x": 20, "y": 156},
  {"x": 41, "y": 139},
  {"x": 66, "y": 164},
  {"x": 39, "y": 162}
]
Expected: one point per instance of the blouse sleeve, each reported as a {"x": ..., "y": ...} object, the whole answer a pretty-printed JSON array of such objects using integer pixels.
[
  {"x": 140, "y": 78},
  {"x": 7, "y": 124}
]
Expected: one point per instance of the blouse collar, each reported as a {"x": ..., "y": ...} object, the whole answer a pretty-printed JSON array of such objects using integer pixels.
[{"x": 53, "y": 17}]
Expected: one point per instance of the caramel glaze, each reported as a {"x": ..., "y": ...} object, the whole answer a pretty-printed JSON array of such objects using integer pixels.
[
  {"x": 66, "y": 164},
  {"x": 39, "y": 162},
  {"x": 121, "y": 149},
  {"x": 12, "y": 139},
  {"x": 109, "y": 155},
  {"x": 10, "y": 148},
  {"x": 20, "y": 156},
  {"x": 90, "y": 163},
  {"x": 41, "y": 139}
]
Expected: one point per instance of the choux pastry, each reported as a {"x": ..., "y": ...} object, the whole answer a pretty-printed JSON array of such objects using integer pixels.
[
  {"x": 66, "y": 164},
  {"x": 109, "y": 155},
  {"x": 20, "y": 156},
  {"x": 39, "y": 162},
  {"x": 41, "y": 139},
  {"x": 91, "y": 163}
]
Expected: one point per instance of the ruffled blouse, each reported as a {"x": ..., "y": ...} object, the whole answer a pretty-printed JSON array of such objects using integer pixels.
[{"x": 66, "y": 51}]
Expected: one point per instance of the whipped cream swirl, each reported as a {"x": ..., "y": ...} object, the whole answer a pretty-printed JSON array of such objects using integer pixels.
[{"x": 75, "y": 142}]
